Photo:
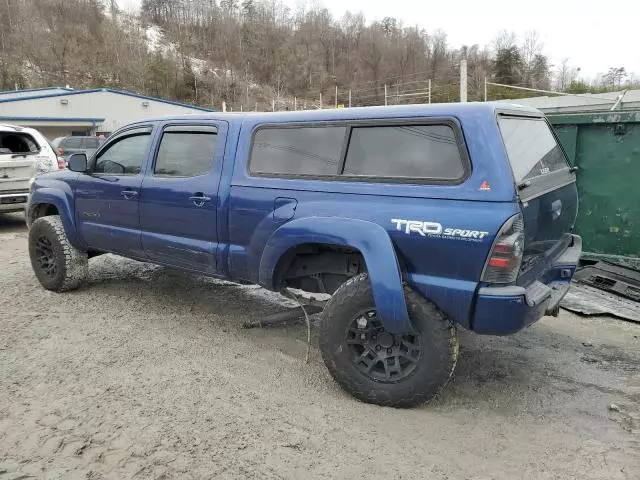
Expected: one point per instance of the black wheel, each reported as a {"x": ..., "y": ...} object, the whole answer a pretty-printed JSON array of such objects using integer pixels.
[
  {"x": 58, "y": 265},
  {"x": 376, "y": 366}
]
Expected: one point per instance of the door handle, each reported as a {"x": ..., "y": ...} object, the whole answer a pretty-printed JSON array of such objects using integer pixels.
[
  {"x": 199, "y": 198},
  {"x": 129, "y": 194}
]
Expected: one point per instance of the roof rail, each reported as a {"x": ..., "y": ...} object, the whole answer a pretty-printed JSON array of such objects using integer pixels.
[{"x": 8, "y": 125}]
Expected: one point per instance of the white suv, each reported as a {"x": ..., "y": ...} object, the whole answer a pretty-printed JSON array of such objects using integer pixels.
[{"x": 24, "y": 153}]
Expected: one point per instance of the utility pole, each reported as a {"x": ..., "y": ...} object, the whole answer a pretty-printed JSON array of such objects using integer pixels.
[
  {"x": 273, "y": 105},
  {"x": 429, "y": 90},
  {"x": 320, "y": 100},
  {"x": 295, "y": 103},
  {"x": 385, "y": 94},
  {"x": 224, "y": 106},
  {"x": 336, "y": 102},
  {"x": 349, "y": 98},
  {"x": 485, "y": 89},
  {"x": 463, "y": 81}
]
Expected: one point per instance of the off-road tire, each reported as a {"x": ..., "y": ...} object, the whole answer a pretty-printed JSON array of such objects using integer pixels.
[
  {"x": 68, "y": 266},
  {"x": 433, "y": 369}
]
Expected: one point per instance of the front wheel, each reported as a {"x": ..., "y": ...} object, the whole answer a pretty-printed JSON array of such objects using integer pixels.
[
  {"x": 58, "y": 265},
  {"x": 376, "y": 366}
]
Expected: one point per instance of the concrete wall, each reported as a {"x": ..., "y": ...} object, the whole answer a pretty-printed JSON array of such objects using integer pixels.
[{"x": 117, "y": 109}]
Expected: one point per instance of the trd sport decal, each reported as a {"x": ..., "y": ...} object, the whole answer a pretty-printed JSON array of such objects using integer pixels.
[{"x": 434, "y": 229}]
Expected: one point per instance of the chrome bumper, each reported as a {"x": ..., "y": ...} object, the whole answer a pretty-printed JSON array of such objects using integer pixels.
[{"x": 13, "y": 202}]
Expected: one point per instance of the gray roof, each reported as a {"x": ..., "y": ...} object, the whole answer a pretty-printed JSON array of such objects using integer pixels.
[
  {"x": 27, "y": 92},
  {"x": 8, "y": 96},
  {"x": 587, "y": 101}
]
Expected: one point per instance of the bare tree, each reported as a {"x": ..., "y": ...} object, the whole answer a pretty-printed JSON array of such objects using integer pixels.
[
  {"x": 504, "y": 40},
  {"x": 565, "y": 75},
  {"x": 615, "y": 76},
  {"x": 531, "y": 50},
  {"x": 243, "y": 51},
  {"x": 371, "y": 54}
]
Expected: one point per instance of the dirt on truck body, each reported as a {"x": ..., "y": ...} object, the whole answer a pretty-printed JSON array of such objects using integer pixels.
[{"x": 147, "y": 373}]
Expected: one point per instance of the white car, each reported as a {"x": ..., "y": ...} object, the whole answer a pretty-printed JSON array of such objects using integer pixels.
[{"x": 24, "y": 153}]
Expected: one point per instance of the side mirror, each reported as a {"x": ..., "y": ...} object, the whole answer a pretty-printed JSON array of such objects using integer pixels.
[{"x": 77, "y": 162}]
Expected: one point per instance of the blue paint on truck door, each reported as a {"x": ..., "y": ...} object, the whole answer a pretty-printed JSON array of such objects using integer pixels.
[
  {"x": 107, "y": 196},
  {"x": 179, "y": 197}
]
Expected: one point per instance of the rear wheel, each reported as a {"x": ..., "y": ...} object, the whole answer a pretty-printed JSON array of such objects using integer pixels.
[
  {"x": 58, "y": 265},
  {"x": 380, "y": 367}
]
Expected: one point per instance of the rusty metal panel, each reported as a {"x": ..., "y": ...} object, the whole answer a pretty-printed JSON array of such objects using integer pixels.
[{"x": 606, "y": 148}]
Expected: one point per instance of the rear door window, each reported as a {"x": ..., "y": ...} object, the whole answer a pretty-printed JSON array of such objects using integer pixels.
[
  {"x": 186, "y": 151},
  {"x": 17, "y": 143},
  {"x": 404, "y": 151},
  {"x": 531, "y": 147},
  {"x": 90, "y": 142},
  {"x": 297, "y": 151},
  {"x": 71, "y": 142}
]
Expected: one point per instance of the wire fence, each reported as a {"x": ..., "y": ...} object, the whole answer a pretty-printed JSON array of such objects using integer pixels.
[
  {"x": 420, "y": 91},
  {"x": 392, "y": 91}
]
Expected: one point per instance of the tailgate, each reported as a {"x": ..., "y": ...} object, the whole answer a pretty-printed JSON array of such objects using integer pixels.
[
  {"x": 15, "y": 173},
  {"x": 547, "y": 191}
]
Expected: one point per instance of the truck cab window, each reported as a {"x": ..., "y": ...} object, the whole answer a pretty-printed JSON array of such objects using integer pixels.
[{"x": 124, "y": 157}]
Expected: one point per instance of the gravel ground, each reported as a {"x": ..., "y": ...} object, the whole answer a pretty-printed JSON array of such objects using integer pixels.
[{"x": 147, "y": 373}]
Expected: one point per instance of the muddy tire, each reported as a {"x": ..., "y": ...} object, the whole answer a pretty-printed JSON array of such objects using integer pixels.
[
  {"x": 58, "y": 265},
  {"x": 375, "y": 366}
]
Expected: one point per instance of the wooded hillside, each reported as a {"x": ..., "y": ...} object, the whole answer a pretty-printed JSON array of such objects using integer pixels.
[{"x": 254, "y": 51}]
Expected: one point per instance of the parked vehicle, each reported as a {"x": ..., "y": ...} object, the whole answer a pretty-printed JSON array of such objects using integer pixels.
[
  {"x": 56, "y": 141},
  {"x": 414, "y": 218},
  {"x": 24, "y": 153},
  {"x": 77, "y": 144}
]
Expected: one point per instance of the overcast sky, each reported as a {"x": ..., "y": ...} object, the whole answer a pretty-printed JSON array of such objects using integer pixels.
[{"x": 594, "y": 35}]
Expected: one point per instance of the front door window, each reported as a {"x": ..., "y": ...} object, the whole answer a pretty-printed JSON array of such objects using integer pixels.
[{"x": 124, "y": 157}]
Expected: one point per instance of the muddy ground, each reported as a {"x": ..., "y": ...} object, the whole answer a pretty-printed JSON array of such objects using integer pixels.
[{"x": 147, "y": 373}]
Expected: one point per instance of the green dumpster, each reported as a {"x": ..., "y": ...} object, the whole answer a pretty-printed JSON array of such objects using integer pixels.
[{"x": 606, "y": 148}]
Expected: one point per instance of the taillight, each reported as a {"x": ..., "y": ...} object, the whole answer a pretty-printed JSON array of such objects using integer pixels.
[{"x": 505, "y": 257}]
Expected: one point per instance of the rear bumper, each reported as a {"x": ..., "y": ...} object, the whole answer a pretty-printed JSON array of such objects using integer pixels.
[
  {"x": 13, "y": 202},
  {"x": 505, "y": 310}
]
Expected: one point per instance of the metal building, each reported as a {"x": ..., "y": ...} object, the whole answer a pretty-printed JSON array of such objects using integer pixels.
[{"x": 63, "y": 111}]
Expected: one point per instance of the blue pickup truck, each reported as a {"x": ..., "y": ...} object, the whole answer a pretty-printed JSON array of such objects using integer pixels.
[{"x": 415, "y": 219}]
